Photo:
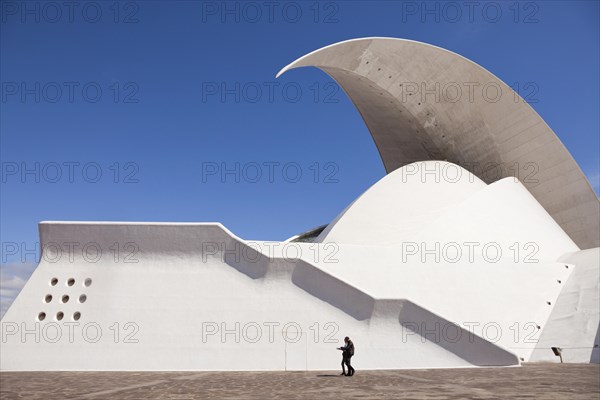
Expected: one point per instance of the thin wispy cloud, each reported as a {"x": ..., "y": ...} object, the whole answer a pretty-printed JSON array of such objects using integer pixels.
[{"x": 13, "y": 278}]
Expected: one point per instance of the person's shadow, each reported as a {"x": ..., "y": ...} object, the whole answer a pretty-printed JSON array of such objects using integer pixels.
[{"x": 327, "y": 375}]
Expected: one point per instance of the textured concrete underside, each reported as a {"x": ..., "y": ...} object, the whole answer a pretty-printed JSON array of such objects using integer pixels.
[{"x": 421, "y": 102}]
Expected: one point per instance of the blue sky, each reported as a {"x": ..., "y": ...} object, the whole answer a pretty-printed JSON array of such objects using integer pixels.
[{"x": 154, "y": 95}]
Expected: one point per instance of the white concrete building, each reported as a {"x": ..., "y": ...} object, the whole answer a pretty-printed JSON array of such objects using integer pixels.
[{"x": 437, "y": 265}]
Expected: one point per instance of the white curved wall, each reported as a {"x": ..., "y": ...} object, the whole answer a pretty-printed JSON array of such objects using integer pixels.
[
  {"x": 402, "y": 203},
  {"x": 439, "y": 202}
]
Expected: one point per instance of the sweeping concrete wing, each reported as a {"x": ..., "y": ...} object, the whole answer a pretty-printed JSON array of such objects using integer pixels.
[{"x": 421, "y": 102}]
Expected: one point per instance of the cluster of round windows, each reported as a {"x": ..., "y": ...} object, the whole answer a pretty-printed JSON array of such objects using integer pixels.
[
  {"x": 71, "y": 282},
  {"x": 59, "y": 316},
  {"x": 65, "y": 299}
]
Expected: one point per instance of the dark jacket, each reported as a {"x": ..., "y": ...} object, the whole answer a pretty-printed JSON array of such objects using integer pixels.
[{"x": 348, "y": 349}]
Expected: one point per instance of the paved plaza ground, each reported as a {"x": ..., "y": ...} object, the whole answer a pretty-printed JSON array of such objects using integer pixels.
[{"x": 532, "y": 381}]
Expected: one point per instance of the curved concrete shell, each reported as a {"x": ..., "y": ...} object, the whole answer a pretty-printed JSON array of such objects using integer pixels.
[
  {"x": 421, "y": 102},
  {"x": 406, "y": 206}
]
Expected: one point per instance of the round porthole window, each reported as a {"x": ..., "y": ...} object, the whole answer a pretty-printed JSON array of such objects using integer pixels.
[
  {"x": 76, "y": 316},
  {"x": 53, "y": 281},
  {"x": 59, "y": 316},
  {"x": 82, "y": 298},
  {"x": 65, "y": 298},
  {"x": 88, "y": 282},
  {"x": 71, "y": 282},
  {"x": 41, "y": 316},
  {"x": 48, "y": 298}
]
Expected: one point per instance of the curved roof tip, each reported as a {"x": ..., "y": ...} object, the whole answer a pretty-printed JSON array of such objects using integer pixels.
[
  {"x": 410, "y": 127},
  {"x": 295, "y": 64}
]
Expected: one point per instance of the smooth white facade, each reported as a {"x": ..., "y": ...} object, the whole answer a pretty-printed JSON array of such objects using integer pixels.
[{"x": 195, "y": 297}]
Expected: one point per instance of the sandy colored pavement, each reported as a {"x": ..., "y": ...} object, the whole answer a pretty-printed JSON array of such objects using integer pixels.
[{"x": 533, "y": 381}]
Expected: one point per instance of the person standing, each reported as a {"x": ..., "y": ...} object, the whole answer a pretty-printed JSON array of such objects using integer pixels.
[{"x": 347, "y": 353}]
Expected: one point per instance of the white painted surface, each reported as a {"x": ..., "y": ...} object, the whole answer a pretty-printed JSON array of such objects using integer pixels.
[
  {"x": 171, "y": 292},
  {"x": 402, "y": 310},
  {"x": 574, "y": 324},
  {"x": 437, "y": 202}
]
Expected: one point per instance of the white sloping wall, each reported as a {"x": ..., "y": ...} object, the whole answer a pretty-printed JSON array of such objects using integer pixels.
[{"x": 574, "y": 324}]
